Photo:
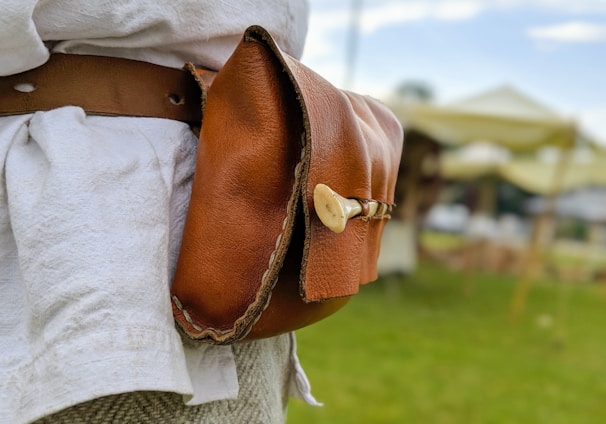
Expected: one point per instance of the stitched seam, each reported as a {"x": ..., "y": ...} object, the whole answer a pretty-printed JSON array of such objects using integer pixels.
[
  {"x": 186, "y": 315},
  {"x": 264, "y": 276},
  {"x": 277, "y": 244}
]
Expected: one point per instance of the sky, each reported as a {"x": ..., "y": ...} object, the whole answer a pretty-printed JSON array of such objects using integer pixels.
[{"x": 552, "y": 50}]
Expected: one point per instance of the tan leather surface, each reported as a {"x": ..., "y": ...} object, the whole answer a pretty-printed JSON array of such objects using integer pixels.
[
  {"x": 255, "y": 259},
  {"x": 286, "y": 309},
  {"x": 358, "y": 158},
  {"x": 104, "y": 86}
]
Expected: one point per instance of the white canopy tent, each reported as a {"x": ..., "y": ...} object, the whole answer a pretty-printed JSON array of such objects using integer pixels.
[
  {"x": 531, "y": 173},
  {"x": 503, "y": 116},
  {"x": 508, "y": 118}
]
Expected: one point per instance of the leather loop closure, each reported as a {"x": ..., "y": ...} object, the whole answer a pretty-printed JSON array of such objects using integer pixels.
[{"x": 103, "y": 86}]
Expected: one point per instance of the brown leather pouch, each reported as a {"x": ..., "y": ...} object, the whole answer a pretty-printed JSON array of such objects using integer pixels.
[{"x": 256, "y": 260}]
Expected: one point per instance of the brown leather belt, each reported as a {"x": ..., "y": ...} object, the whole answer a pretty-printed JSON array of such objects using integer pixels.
[{"x": 103, "y": 86}]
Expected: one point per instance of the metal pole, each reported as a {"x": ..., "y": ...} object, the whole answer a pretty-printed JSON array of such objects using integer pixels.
[{"x": 351, "y": 51}]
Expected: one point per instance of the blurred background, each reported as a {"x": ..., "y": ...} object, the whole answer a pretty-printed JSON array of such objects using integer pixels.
[{"x": 490, "y": 303}]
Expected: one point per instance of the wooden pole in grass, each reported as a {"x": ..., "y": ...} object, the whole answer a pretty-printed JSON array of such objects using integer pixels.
[{"x": 534, "y": 255}]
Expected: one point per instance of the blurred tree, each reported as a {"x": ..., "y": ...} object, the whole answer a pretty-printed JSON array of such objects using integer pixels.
[{"x": 414, "y": 91}]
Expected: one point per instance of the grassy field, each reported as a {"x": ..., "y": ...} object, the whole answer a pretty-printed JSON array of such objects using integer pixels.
[{"x": 437, "y": 347}]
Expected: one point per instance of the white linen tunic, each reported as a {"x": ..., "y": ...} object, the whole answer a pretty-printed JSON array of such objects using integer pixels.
[{"x": 92, "y": 209}]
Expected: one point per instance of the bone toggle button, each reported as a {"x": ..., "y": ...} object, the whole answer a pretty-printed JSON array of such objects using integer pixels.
[{"x": 335, "y": 210}]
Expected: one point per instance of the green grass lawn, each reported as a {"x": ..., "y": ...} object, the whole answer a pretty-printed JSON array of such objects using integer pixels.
[{"x": 437, "y": 347}]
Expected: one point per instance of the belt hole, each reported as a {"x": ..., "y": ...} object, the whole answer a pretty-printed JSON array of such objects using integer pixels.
[
  {"x": 176, "y": 99},
  {"x": 25, "y": 87}
]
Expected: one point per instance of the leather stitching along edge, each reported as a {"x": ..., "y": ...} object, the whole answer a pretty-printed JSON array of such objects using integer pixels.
[{"x": 228, "y": 335}]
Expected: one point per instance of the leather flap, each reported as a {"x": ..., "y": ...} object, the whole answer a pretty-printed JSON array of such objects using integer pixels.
[{"x": 353, "y": 144}]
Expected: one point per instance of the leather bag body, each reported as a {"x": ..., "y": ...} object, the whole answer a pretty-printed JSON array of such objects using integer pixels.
[{"x": 256, "y": 261}]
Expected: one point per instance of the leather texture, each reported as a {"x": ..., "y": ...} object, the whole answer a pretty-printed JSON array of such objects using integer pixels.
[
  {"x": 103, "y": 86},
  {"x": 255, "y": 259}
]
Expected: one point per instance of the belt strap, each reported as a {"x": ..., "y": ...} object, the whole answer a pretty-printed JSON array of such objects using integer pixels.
[{"x": 103, "y": 86}]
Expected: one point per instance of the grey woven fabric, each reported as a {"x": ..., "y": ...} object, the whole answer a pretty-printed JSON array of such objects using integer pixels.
[{"x": 263, "y": 374}]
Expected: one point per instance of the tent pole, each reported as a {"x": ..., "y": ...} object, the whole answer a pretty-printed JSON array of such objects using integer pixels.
[{"x": 534, "y": 254}]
